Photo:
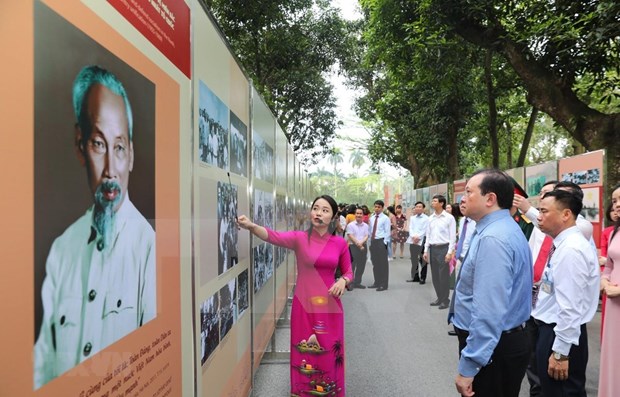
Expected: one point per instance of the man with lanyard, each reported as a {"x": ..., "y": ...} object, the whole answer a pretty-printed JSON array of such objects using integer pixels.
[
  {"x": 380, "y": 225},
  {"x": 567, "y": 298}
]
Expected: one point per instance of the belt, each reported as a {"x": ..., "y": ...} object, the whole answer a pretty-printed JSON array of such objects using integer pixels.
[
  {"x": 439, "y": 245},
  {"x": 542, "y": 323},
  {"x": 518, "y": 328}
]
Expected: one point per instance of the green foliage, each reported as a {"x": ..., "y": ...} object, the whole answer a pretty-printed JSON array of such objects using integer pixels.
[
  {"x": 422, "y": 71},
  {"x": 289, "y": 48}
]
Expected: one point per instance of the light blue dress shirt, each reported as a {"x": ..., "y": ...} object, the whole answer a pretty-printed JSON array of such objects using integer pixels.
[
  {"x": 383, "y": 227},
  {"x": 494, "y": 290}
]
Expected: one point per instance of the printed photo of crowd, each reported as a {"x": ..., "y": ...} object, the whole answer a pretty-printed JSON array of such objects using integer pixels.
[
  {"x": 243, "y": 293},
  {"x": 209, "y": 327},
  {"x": 263, "y": 208},
  {"x": 212, "y": 129},
  {"x": 228, "y": 307},
  {"x": 238, "y": 146},
  {"x": 263, "y": 265},
  {"x": 583, "y": 177},
  {"x": 263, "y": 159}
]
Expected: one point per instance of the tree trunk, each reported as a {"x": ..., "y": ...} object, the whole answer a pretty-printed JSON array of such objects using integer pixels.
[
  {"x": 528, "y": 137},
  {"x": 453, "y": 154},
  {"x": 509, "y": 146},
  {"x": 488, "y": 77}
]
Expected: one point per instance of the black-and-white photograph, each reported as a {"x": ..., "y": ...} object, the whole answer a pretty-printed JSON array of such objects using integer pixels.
[
  {"x": 263, "y": 208},
  {"x": 583, "y": 177},
  {"x": 290, "y": 215},
  {"x": 238, "y": 146},
  {"x": 280, "y": 209},
  {"x": 279, "y": 254},
  {"x": 263, "y": 265},
  {"x": 212, "y": 128},
  {"x": 591, "y": 204},
  {"x": 263, "y": 159},
  {"x": 243, "y": 293},
  {"x": 209, "y": 327},
  {"x": 228, "y": 307},
  {"x": 226, "y": 227}
]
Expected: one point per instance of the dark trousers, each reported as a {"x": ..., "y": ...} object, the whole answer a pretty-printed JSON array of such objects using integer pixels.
[
  {"x": 440, "y": 271},
  {"x": 415, "y": 252},
  {"x": 379, "y": 258},
  {"x": 532, "y": 369},
  {"x": 503, "y": 375},
  {"x": 575, "y": 385},
  {"x": 358, "y": 262}
]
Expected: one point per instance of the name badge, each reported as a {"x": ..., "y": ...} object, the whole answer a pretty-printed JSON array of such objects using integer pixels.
[{"x": 547, "y": 286}]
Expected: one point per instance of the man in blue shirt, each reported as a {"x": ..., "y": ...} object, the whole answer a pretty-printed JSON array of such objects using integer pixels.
[{"x": 493, "y": 295}]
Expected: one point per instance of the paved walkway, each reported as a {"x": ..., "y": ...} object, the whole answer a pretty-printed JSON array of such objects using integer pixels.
[{"x": 398, "y": 345}]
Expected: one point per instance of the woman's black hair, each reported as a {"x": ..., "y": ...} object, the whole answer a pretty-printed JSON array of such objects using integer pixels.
[
  {"x": 331, "y": 228},
  {"x": 456, "y": 211}
]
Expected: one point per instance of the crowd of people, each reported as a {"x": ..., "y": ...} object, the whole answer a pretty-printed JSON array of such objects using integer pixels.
[{"x": 526, "y": 282}]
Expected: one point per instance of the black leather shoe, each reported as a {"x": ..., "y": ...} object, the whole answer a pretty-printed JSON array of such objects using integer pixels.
[
  {"x": 411, "y": 280},
  {"x": 452, "y": 332},
  {"x": 422, "y": 282},
  {"x": 360, "y": 286},
  {"x": 443, "y": 306},
  {"x": 373, "y": 286},
  {"x": 435, "y": 303},
  {"x": 381, "y": 289}
]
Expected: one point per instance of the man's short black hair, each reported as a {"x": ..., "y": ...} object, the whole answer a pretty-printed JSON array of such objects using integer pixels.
[
  {"x": 571, "y": 187},
  {"x": 551, "y": 182},
  {"x": 498, "y": 182},
  {"x": 442, "y": 199},
  {"x": 380, "y": 202},
  {"x": 419, "y": 202},
  {"x": 565, "y": 199}
]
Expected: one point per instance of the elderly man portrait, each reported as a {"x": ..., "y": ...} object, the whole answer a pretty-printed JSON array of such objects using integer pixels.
[{"x": 100, "y": 281}]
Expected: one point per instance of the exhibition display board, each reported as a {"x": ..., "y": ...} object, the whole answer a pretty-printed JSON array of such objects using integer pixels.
[
  {"x": 95, "y": 286},
  {"x": 157, "y": 292}
]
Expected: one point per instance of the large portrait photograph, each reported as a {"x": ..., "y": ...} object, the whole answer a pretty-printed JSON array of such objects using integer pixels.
[{"x": 94, "y": 143}]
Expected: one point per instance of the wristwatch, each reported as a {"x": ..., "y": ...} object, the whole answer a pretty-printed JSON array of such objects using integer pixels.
[{"x": 559, "y": 357}]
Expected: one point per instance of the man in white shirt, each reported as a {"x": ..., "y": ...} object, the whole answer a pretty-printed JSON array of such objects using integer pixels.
[
  {"x": 100, "y": 281},
  {"x": 440, "y": 241},
  {"x": 379, "y": 225},
  {"x": 531, "y": 212},
  {"x": 567, "y": 298},
  {"x": 417, "y": 231}
]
